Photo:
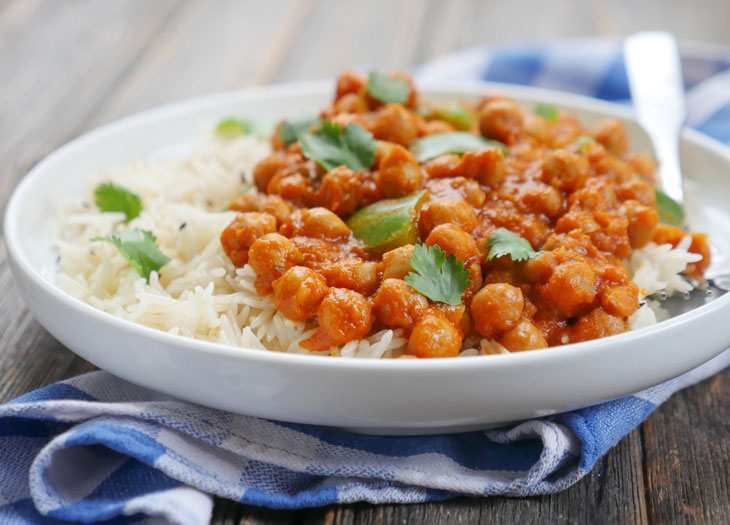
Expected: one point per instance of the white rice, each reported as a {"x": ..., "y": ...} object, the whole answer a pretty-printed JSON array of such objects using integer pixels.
[{"x": 201, "y": 294}]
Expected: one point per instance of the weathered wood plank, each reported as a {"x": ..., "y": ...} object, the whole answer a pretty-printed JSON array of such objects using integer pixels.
[
  {"x": 57, "y": 64},
  {"x": 213, "y": 46},
  {"x": 687, "y": 455}
]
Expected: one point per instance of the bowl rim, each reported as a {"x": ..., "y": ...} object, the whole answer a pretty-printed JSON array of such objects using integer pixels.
[{"x": 434, "y": 88}]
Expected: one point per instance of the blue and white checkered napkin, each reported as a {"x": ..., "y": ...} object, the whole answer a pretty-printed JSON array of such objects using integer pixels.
[{"x": 97, "y": 448}]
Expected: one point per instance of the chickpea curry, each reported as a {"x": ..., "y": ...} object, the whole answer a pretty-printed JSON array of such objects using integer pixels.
[{"x": 448, "y": 221}]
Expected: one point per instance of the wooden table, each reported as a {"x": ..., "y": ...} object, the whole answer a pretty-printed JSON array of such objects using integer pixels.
[{"x": 69, "y": 66}]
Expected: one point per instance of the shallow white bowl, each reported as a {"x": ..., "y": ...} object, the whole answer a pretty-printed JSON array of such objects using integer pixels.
[{"x": 377, "y": 396}]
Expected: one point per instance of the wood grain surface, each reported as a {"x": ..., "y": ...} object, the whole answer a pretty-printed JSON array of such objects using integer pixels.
[{"x": 68, "y": 66}]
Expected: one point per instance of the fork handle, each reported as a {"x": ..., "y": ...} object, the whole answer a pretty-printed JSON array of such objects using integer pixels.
[{"x": 655, "y": 79}]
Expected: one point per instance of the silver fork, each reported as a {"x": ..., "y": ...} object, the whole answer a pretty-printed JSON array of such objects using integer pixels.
[{"x": 655, "y": 79}]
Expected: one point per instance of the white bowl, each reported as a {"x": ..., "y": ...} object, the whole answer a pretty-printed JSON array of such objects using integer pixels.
[{"x": 376, "y": 396}]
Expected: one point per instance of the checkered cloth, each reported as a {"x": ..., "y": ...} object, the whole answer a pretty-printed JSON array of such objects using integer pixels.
[{"x": 98, "y": 448}]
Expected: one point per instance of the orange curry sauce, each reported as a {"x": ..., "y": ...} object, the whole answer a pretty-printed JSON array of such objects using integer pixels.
[{"x": 585, "y": 204}]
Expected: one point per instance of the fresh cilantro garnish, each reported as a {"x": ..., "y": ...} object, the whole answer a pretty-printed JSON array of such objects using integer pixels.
[
  {"x": 387, "y": 89},
  {"x": 458, "y": 142},
  {"x": 139, "y": 248},
  {"x": 438, "y": 278},
  {"x": 332, "y": 146},
  {"x": 110, "y": 197},
  {"x": 291, "y": 130},
  {"x": 504, "y": 242},
  {"x": 547, "y": 111}
]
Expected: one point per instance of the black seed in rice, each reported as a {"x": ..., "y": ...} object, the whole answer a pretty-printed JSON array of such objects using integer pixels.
[{"x": 182, "y": 226}]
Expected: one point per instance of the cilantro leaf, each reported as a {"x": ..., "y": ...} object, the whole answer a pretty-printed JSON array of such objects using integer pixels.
[
  {"x": 387, "y": 89},
  {"x": 331, "y": 146},
  {"x": 139, "y": 248},
  {"x": 547, "y": 111},
  {"x": 459, "y": 142},
  {"x": 291, "y": 130},
  {"x": 438, "y": 278},
  {"x": 110, "y": 197},
  {"x": 504, "y": 242}
]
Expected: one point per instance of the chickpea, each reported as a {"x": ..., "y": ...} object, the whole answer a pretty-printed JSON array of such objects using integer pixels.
[
  {"x": 249, "y": 201},
  {"x": 605, "y": 188},
  {"x": 241, "y": 233},
  {"x": 501, "y": 120},
  {"x": 434, "y": 127},
  {"x": 595, "y": 324},
  {"x": 350, "y": 103},
  {"x": 290, "y": 185},
  {"x": 542, "y": 199},
  {"x": 613, "y": 167},
  {"x": 434, "y": 336},
  {"x": 644, "y": 165},
  {"x": 443, "y": 166},
  {"x": 397, "y": 262},
  {"x": 340, "y": 191},
  {"x": 643, "y": 220},
  {"x": 639, "y": 190},
  {"x": 453, "y": 240},
  {"x": 344, "y": 315},
  {"x": 495, "y": 308},
  {"x": 523, "y": 336},
  {"x": 299, "y": 292},
  {"x": 571, "y": 287},
  {"x": 565, "y": 171},
  {"x": 382, "y": 148},
  {"x": 254, "y": 201},
  {"x": 399, "y": 174},
  {"x": 620, "y": 300},
  {"x": 484, "y": 165},
  {"x": 470, "y": 190},
  {"x": 395, "y": 123},
  {"x": 397, "y": 305},
  {"x": 267, "y": 168},
  {"x": 319, "y": 223},
  {"x": 277, "y": 207},
  {"x": 362, "y": 277},
  {"x": 539, "y": 128},
  {"x": 612, "y": 134},
  {"x": 348, "y": 82},
  {"x": 270, "y": 256},
  {"x": 452, "y": 211}
]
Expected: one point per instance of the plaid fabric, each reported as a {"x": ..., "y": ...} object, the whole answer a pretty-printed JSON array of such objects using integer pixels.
[{"x": 98, "y": 448}]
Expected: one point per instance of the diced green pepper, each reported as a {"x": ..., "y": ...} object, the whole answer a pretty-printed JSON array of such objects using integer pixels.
[
  {"x": 453, "y": 113},
  {"x": 389, "y": 223},
  {"x": 670, "y": 211},
  {"x": 232, "y": 128}
]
